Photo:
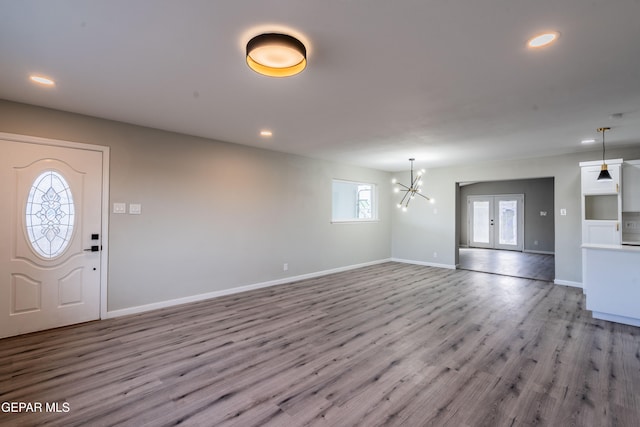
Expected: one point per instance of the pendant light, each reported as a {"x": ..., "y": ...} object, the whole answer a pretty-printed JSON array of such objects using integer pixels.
[
  {"x": 604, "y": 172},
  {"x": 414, "y": 188}
]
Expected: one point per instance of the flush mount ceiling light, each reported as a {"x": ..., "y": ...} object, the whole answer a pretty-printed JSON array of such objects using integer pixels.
[
  {"x": 276, "y": 55},
  {"x": 410, "y": 192},
  {"x": 604, "y": 172},
  {"x": 544, "y": 39}
]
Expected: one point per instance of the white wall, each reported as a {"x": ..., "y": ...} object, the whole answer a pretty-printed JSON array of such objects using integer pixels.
[
  {"x": 215, "y": 215},
  {"x": 427, "y": 229}
]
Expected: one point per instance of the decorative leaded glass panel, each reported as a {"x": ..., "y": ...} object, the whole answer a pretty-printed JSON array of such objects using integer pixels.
[{"x": 50, "y": 214}]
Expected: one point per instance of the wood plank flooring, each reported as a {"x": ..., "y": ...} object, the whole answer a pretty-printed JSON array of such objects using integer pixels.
[
  {"x": 508, "y": 263},
  {"x": 391, "y": 344}
]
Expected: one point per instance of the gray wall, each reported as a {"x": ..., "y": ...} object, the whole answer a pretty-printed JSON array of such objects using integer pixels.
[
  {"x": 427, "y": 233},
  {"x": 214, "y": 215},
  {"x": 218, "y": 216},
  {"x": 538, "y": 196}
]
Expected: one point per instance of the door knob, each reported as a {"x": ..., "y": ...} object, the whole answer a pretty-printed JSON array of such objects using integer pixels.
[{"x": 93, "y": 249}]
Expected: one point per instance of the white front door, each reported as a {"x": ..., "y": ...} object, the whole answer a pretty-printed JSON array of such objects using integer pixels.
[
  {"x": 496, "y": 222},
  {"x": 50, "y": 241}
]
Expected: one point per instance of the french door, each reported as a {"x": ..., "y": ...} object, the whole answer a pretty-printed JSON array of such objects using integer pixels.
[
  {"x": 50, "y": 236},
  {"x": 496, "y": 222}
]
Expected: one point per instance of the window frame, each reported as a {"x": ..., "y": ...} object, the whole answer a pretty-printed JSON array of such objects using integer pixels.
[{"x": 374, "y": 202}]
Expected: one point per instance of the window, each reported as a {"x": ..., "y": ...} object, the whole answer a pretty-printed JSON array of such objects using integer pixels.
[
  {"x": 354, "y": 201},
  {"x": 50, "y": 214}
]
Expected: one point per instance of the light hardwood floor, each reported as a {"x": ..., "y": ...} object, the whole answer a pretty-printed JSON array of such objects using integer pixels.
[{"x": 390, "y": 344}]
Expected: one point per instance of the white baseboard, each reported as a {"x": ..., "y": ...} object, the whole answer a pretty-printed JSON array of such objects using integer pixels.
[
  {"x": 567, "y": 283},
  {"x": 425, "y": 263},
  {"x": 200, "y": 297},
  {"x": 615, "y": 318},
  {"x": 530, "y": 251}
]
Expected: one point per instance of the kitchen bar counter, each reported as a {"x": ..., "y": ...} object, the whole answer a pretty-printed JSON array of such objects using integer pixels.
[{"x": 611, "y": 282}]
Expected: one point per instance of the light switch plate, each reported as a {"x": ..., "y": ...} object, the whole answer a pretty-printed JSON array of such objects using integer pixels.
[
  {"x": 135, "y": 209},
  {"x": 119, "y": 208}
]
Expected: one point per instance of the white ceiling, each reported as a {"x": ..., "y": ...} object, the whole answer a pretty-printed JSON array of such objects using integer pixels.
[{"x": 445, "y": 81}]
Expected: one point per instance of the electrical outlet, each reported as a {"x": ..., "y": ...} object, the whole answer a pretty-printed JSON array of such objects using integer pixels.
[
  {"x": 285, "y": 267},
  {"x": 535, "y": 242},
  {"x": 435, "y": 254},
  {"x": 563, "y": 212}
]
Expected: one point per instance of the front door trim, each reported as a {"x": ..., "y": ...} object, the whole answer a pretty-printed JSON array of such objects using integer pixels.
[{"x": 104, "y": 262}]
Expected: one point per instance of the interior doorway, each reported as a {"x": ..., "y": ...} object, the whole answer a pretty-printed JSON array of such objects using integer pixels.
[{"x": 525, "y": 245}]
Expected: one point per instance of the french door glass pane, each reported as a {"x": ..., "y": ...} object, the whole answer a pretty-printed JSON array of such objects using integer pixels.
[
  {"x": 481, "y": 221},
  {"x": 508, "y": 214}
]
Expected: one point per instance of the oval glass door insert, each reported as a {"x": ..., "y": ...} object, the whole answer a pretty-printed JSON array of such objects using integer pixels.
[{"x": 50, "y": 214}]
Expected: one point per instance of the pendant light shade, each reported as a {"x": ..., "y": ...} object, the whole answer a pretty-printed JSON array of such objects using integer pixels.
[
  {"x": 604, "y": 172},
  {"x": 276, "y": 55}
]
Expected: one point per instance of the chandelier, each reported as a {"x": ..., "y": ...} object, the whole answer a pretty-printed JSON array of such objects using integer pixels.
[{"x": 410, "y": 192}]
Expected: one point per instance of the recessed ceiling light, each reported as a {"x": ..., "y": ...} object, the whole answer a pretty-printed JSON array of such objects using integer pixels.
[
  {"x": 588, "y": 141},
  {"x": 266, "y": 133},
  {"x": 42, "y": 80},
  {"x": 544, "y": 39}
]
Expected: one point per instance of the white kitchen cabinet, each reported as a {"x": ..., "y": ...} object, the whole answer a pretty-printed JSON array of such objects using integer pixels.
[
  {"x": 589, "y": 177},
  {"x": 610, "y": 273},
  {"x": 611, "y": 280},
  {"x": 631, "y": 188},
  {"x": 601, "y": 232},
  {"x": 601, "y": 203}
]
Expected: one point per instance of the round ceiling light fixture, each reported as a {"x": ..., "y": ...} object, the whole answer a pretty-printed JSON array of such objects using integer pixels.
[{"x": 276, "y": 55}]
